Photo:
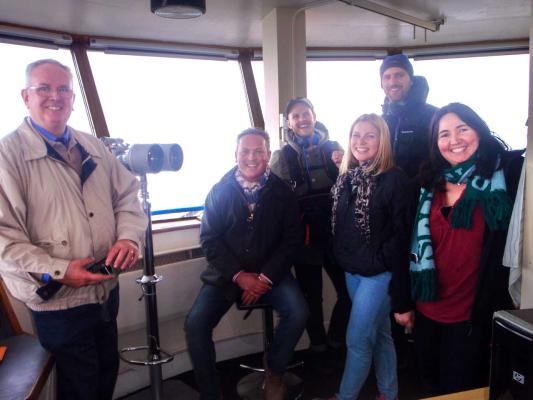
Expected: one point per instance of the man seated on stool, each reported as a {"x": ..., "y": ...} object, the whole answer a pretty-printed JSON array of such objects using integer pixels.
[{"x": 249, "y": 232}]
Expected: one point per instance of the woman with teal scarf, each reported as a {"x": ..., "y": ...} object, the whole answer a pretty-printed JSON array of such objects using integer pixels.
[{"x": 457, "y": 277}]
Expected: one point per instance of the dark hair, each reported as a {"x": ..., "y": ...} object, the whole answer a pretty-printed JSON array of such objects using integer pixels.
[
  {"x": 298, "y": 100},
  {"x": 254, "y": 131},
  {"x": 490, "y": 146}
]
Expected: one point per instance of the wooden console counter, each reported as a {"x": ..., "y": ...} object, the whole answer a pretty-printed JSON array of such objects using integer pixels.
[{"x": 475, "y": 394}]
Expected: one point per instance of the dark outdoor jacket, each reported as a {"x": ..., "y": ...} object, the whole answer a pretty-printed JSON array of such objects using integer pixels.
[
  {"x": 233, "y": 239},
  {"x": 409, "y": 127},
  {"x": 492, "y": 292},
  {"x": 312, "y": 190},
  {"x": 391, "y": 211}
]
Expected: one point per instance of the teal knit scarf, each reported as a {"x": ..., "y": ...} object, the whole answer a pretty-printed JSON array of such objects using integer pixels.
[{"x": 495, "y": 205}]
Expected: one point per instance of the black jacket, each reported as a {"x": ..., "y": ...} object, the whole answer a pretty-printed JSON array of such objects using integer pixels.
[
  {"x": 233, "y": 239},
  {"x": 312, "y": 187},
  {"x": 391, "y": 210},
  {"x": 409, "y": 127},
  {"x": 492, "y": 291}
]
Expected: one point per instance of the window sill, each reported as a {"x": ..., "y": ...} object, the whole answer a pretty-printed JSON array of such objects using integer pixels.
[{"x": 175, "y": 225}]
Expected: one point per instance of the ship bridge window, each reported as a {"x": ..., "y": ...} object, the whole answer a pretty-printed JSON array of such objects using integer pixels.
[
  {"x": 494, "y": 86},
  {"x": 199, "y": 104},
  {"x": 12, "y": 80},
  {"x": 339, "y": 101}
]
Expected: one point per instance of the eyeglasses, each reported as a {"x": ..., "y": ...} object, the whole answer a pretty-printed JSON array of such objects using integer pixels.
[{"x": 46, "y": 91}]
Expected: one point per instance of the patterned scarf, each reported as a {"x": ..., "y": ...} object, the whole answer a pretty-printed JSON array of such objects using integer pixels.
[
  {"x": 251, "y": 190},
  {"x": 363, "y": 183},
  {"x": 495, "y": 205}
]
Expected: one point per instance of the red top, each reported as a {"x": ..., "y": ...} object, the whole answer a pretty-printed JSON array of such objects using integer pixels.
[{"x": 457, "y": 255}]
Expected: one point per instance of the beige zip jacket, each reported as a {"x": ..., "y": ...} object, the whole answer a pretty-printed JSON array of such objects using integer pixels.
[{"x": 48, "y": 218}]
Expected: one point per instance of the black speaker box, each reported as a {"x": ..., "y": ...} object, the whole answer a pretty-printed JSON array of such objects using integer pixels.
[{"x": 511, "y": 370}]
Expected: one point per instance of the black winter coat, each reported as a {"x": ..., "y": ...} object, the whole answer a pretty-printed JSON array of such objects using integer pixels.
[
  {"x": 492, "y": 291},
  {"x": 391, "y": 211},
  {"x": 409, "y": 127},
  {"x": 234, "y": 239},
  {"x": 311, "y": 189}
]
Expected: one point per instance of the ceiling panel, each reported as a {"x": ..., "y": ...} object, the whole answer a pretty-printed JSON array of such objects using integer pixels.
[{"x": 237, "y": 23}]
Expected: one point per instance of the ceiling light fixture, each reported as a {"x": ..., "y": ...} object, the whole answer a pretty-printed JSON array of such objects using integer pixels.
[{"x": 180, "y": 9}]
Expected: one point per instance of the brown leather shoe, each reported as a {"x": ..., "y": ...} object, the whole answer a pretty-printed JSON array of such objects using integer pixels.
[{"x": 274, "y": 388}]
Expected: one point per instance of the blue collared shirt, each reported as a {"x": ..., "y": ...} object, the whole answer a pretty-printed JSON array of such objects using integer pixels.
[{"x": 64, "y": 138}]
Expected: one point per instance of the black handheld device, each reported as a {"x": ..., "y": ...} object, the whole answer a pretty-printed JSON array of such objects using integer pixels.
[
  {"x": 100, "y": 267},
  {"x": 46, "y": 292}
]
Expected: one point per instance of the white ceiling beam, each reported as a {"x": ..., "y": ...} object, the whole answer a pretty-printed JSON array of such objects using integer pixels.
[{"x": 395, "y": 14}]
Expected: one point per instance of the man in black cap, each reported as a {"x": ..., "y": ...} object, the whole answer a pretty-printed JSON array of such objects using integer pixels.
[
  {"x": 406, "y": 112},
  {"x": 307, "y": 162}
]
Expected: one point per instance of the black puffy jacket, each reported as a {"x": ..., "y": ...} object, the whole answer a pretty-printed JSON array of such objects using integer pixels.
[
  {"x": 409, "y": 127},
  {"x": 391, "y": 211},
  {"x": 234, "y": 239}
]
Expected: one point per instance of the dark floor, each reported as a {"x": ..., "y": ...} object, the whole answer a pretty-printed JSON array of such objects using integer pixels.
[{"x": 320, "y": 378}]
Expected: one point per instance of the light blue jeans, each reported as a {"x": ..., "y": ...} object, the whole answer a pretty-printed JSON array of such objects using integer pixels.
[{"x": 369, "y": 336}]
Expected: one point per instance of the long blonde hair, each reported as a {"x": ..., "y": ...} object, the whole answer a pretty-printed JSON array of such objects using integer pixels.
[{"x": 384, "y": 159}]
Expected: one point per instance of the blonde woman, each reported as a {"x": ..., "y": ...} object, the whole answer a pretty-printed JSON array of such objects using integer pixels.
[{"x": 371, "y": 217}]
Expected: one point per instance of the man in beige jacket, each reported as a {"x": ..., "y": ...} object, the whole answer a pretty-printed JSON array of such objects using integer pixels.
[{"x": 66, "y": 202}]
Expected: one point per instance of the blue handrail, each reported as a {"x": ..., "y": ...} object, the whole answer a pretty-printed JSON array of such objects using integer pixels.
[{"x": 177, "y": 210}]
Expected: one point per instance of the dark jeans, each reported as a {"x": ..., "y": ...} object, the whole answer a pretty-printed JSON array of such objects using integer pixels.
[
  {"x": 450, "y": 356},
  {"x": 310, "y": 279},
  {"x": 211, "y": 305},
  {"x": 84, "y": 343}
]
